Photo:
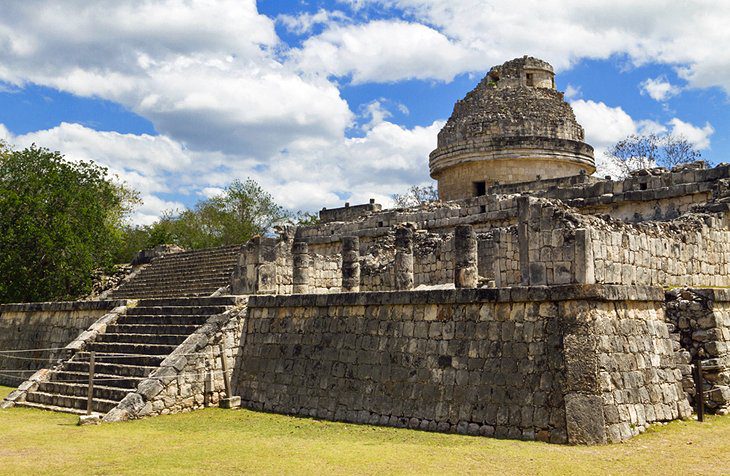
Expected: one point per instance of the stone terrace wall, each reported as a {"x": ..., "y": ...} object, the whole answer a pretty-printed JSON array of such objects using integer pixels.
[
  {"x": 553, "y": 364},
  {"x": 42, "y": 326}
]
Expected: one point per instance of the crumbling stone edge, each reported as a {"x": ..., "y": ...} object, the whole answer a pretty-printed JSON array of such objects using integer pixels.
[
  {"x": 191, "y": 376},
  {"x": 76, "y": 345}
]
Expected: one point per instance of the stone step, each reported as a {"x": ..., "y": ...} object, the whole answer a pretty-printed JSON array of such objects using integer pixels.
[
  {"x": 152, "y": 328},
  {"x": 169, "y": 319},
  {"x": 70, "y": 402},
  {"x": 225, "y": 262},
  {"x": 129, "y": 359},
  {"x": 198, "y": 288},
  {"x": 53, "y": 408},
  {"x": 191, "y": 302},
  {"x": 101, "y": 390},
  {"x": 161, "y": 338},
  {"x": 100, "y": 378},
  {"x": 200, "y": 254},
  {"x": 135, "y": 349},
  {"x": 110, "y": 368},
  {"x": 152, "y": 295},
  {"x": 219, "y": 261},
  {"x": 142, "y": 309},
  {"x": 178, "y": 282}
]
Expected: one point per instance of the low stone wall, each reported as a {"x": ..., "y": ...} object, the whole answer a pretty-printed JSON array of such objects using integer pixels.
[
  {"x": 50, "y": 325},
  {"x": 548, "y": 363},
  {"x": 192, "y": 376}
]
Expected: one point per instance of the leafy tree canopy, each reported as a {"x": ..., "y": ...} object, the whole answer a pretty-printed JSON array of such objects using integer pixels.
[
  {"x": 651, "y": 150},
  {"x": 59, "y": 220},
  {"x": 242, "y": 211}
]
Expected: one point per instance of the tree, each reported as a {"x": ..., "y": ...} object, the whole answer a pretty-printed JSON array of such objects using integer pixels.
[
  {"x": 242, "y": 211},
  {"x": 651, "y": 150},
  {"x": 59, "y": 221},
  {"x": 416, "y": 196}
]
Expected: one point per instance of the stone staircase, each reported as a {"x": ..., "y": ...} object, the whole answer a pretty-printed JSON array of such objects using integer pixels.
[
  {"x": 188, "y": 274},
  {"x": 125, "y": 354}
]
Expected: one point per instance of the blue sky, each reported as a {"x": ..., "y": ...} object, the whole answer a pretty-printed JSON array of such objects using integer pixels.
[{"x": 327, "y": 101}]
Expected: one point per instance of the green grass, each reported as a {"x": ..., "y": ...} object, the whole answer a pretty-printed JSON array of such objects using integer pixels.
[{"x": 232, "y": 442}]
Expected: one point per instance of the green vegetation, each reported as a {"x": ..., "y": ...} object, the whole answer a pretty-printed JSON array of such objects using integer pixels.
[
  {"x": 242, "y": 211},
  {"x": 232, "y": 442},
  {"x": 59, "y": 220}
]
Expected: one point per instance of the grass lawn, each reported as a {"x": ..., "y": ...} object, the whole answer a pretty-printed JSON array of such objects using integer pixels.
[{"x": 226, "y": 441}]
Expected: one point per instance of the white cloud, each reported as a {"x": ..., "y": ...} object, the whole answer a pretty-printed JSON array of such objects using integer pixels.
[
  {"x": 690, "y": 35},
  {"x": 604, "y": 125},
  {"x": 305, "y": 22},
  {"x": 697, "y": 136},
  {"x": 209, "y": 83},
  {"x": 384, "y": 51},
  {"x": 310, "y": 174},
  {"x": 659, "y": 89},
  {"x": 573, "y": 92}
]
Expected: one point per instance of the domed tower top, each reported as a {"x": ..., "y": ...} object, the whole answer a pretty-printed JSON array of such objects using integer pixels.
[{"x": 513, "y": 127}]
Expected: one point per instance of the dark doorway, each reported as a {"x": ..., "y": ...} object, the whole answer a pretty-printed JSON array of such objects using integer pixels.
[{"x": 480, "y": 188}]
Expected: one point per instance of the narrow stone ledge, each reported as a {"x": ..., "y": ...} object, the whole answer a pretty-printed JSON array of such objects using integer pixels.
[{"x": 568, "y": 292}]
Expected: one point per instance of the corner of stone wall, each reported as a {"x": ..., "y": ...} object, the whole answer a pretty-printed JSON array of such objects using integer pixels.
[
  {"x": 191, "y": 377},
  {"x": 76, "y": 345},
  {"x": 700, "y": 324},
  {"x": 585, "y": 420}
]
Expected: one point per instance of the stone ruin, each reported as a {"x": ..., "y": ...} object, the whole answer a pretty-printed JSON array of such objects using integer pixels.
[{"x": 534, "y": 301}]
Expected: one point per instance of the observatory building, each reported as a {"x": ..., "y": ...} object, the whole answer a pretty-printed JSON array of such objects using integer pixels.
[{"x": 513, "y": 127}]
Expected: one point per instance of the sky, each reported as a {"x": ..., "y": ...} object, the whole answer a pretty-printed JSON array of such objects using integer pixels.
[{"x": 323, "y": 102}]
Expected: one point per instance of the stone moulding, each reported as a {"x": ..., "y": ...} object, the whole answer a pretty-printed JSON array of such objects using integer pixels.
[{"x": 567, "y": 292}]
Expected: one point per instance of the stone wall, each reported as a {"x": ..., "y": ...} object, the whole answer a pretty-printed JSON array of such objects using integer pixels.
[
  {"x": 689, "y": 251},
  {"x": 49, "y": 325},
  {"x": 325, "y": 273},
  {"x": 701, "y": 320},
  {"x": 192, "y": 376},
  {"x": 548, "y": 363},
  {"x": 506, "y": 257},
  {"x": 348, "y": 213}
]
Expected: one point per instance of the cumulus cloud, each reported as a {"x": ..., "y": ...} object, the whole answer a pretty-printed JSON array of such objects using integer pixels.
[
  {"x": 659, "y": 89},
  {"x": 681, "y": 34},
  {"x": 305, "y": 22},
  {"x": 308, "y": 175},
  {"x": 605, "y": 126},
  {"x": 205, "y": 73},
  {"x": 384, "y": 51},
  {"x": 697, "y": 136}
]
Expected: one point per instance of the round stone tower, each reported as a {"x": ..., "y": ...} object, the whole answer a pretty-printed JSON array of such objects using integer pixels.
[{"x": 513, "y": 127}]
